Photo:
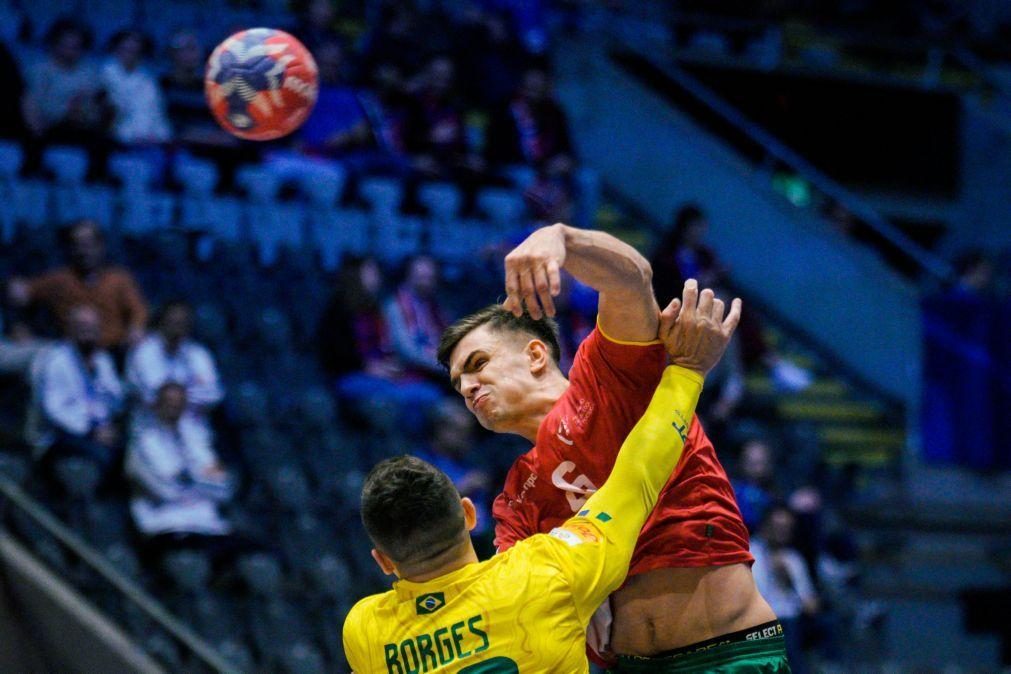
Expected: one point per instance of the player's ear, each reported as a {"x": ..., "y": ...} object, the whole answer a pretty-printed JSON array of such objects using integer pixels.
[
  {"x": 385, "y": 563},
  {"x": 469, "y": 513},
  {"x": 539, "y": 355}
]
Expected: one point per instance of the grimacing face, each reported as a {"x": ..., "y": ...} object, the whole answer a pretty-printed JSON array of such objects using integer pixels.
[{"x": 491, "y": 369}]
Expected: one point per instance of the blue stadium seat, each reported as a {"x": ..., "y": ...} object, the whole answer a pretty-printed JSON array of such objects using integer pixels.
[
  {"x": 383, "y": 195},
  {"x": 322, "y": 184},
  {"x": 452, "y": 241},
  {"x": 197, "y": 176},
  {"x": 134, "y": 171},
  {"x": 249, "y": 404},
  {"x": 11, "y": 159},
  {"x": 397, "y": 236},
  {"x": 261, "y": 573},
  {"x": 144, "y": 212},
  {"x": 274, "y": 329},
  {"x": 122, "y": 556},
  {"x": 521, "y": 176},
  {"x": 69, "y": 165},
  {"x": 259, "y": 182},
  {"x": 236, "y": 653},
  {"x": 335, "y": 233},
  {"x": 190, "y": 570},
  {"x": 210, "y": 324},
  {"x": 83, "y": 201},
  {"x": 290, "y": 488},
  {"x": 78, "y": 476},
  {"x": 14, "y": 466},
  {"x": 317, "y": 408},
  {"x": 303, "y": 658},
  {"x": 442, "y": 200},
  {"x": 331, "y": 576},
  {"x": 502, "y": 206},
  {"x": 30, "y": 203},
  {"x": 274, "y": 226}
]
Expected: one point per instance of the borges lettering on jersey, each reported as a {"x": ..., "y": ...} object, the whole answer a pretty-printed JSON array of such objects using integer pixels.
[{"x": 425, "y": 652}]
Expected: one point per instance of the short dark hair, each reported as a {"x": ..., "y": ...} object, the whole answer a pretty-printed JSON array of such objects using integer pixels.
[
  {"x": 411, "y": 510},
  {"x": 499, "y": 318}
]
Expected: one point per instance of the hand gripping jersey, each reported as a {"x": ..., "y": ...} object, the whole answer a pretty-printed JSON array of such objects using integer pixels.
[
  {"x": 696, "y": 522},
  {"x": 527, "y": 610}
]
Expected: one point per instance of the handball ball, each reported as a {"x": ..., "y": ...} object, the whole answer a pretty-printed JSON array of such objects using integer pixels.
[{"x": 261, "y": 84}]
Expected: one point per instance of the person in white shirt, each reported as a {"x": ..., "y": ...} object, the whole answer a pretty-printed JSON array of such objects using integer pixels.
[
  {"x": 783, "y": 579},
  {"x": 178, "y": 481},
  {"x": 169, "y": 355},
  {"x": 77, "y": 395},
  {"x": 135, "y": 95}
]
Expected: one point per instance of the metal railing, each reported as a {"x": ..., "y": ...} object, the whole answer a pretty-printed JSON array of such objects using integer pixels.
[{"x": 16, "y": 496}]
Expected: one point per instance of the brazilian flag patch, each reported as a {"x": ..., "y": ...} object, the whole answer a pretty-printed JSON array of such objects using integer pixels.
[{"x": 429, "y": 603}]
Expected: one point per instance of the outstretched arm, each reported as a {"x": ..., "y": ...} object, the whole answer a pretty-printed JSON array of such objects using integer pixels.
[{"x": 627, "y": 309}]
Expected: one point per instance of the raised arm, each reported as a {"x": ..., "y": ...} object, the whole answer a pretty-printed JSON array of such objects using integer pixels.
[
  {"x": 602, "y": 536},
  {"x": 627, "y": 309}
]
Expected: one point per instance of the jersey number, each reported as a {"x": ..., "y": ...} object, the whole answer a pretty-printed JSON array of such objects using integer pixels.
[
  {"x": 577, "y": 491},
  {"x": 499, "y": 665}
]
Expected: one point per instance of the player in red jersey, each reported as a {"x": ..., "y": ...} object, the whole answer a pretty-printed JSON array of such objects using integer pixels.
[{"x": 690, "y": 587}]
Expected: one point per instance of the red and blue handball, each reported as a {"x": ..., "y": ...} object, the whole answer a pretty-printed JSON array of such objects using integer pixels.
[{"x": 261, "y": 84}]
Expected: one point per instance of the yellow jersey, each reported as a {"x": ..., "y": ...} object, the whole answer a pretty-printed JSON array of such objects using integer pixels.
[{"x": 527, "y": 609}]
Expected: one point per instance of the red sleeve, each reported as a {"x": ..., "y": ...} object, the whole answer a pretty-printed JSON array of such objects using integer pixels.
[{"x": 618, "y": 367}]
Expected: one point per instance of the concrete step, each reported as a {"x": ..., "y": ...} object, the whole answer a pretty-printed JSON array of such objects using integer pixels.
[
  {"x": 861, "y": 436},
  {"x": 762, "y": 385},
  {"x": 840, "y": 411}
]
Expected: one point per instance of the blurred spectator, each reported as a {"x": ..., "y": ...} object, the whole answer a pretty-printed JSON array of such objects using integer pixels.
[
  {"x": 452, "y": 451},
  {"x": 12, "y": 121},
  {"x": 177, "y": 479},
  {"x": 170, "y": 355},
  {"x": 490, "y": 58},
  {"x": 88, "y": 279},
  {"x": 183, "y": 88},
  {"x": 356, "y": 348},
  {"x": 64, "y": 94},
  {"x": 139, "y": 108},
  {"x": 77, "y": 395},
  {"x": 783, "y": 579},
  {"x": 417, "y": 319},
  {"x": 755, "y": 489},
  {"x": 683, "y": 254},
  {"x": 436, "y": 134},
  {"x": 533, "y": 129}
]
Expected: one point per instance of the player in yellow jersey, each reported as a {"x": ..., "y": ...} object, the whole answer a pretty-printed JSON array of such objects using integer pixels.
[{"x": 527, "y": 609}]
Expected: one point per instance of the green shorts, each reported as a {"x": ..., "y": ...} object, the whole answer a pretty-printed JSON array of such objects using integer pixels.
[{"x": 759, "y": 656}]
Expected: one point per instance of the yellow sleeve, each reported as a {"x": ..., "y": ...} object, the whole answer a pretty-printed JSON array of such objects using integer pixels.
[
  {"x": 355, "y": 651},
  {"x": 595, "y": 547}
]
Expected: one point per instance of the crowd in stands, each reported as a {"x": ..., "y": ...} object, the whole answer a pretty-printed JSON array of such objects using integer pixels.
[{"x": 185, "y": 431}]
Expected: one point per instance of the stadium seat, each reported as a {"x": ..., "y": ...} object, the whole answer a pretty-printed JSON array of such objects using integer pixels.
[
  {"x": 210, "y": 324},
  {"x": 30, "y": 203},
  {"x": 452, "y": 240},
  {"x": 249, "y": 404},
  {"x": 83, "y": 201},
  {"x": 274, "y": 226},
  {"x": 78, "y": 476},
  {"x": 237, "y": 655},
  {"x": 383, "y": 195},
  {"x": 190, "y": 570},
  {"x": 260, "y": 183},
  {"x": 14, "y": 467},
  {"x": 335, "y": 233},
  {"x": 69, "y": 165},
  {"x": 262, "y": 574},
  {"x": 198, "y": 177},
  {"x": 122, "y": 556},
  {"x": 274, "y": 329},
  {"x": 397, "y": 237},
  {"x": 331, "y": 576},
  {"x": 317, "y": 409},
  {"x": 502, "y": 206},
  {"x": 521, "y": 176},
  {"x": 290, "y": 488},
  {"x": 442, "y": 200},
  {"x": 146, "y": 212},
  {"x": 11, "y": 159},
  {"x": 135, "y": 172},
  {"x": 303, "y": 658},
  {"x": 322, "y": 184}
]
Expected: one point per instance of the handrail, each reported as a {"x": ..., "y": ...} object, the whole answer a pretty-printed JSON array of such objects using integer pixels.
[
  {"x": 936, "y": 266},
  {"x": 151, "y": 606}
]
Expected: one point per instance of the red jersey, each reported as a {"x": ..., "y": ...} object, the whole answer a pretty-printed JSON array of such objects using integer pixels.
[{"x": 696, "y": 521}]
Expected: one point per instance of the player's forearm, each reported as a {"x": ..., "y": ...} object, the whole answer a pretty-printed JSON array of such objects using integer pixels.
[
  {"x": 605, "y": 263},
  {"x": 648, "y": 456}
]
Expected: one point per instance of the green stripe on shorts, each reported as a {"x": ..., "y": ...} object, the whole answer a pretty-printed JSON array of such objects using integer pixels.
[{"x": 762, "y": 656}]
